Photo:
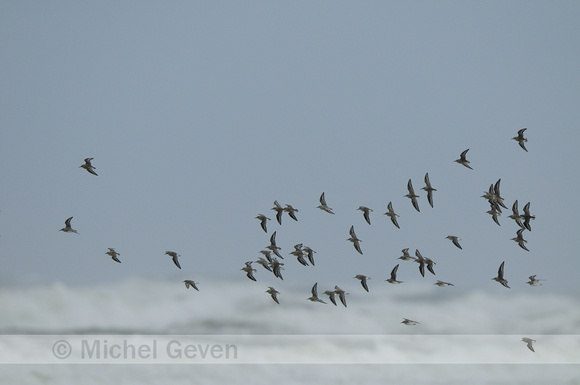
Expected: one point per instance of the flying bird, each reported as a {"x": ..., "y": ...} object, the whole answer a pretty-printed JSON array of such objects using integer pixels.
[
  {"x": 291, "y": 210},
  {"x": 430, "y": 265},
  {"x": 264, "y": 263},
  {"x": 314, "y": 297},
  {"x": 67, "y": 228},
  {"x": 463, "y": 160},
  {"x": 455, "y": 240},
  {"x": 341, "y": 295},
  {"x": 406, "y": 256},
  {"x": 363, "y": 281},
  {"x": 174, "y": 256},
  {"x": 497, "y": 194},
  {"x": 421, "y": 261},
  {"x": 309, "y": 253},
  {"x": 330, "y": 294},
  {"x": 355, "y": 241},
  {"x": 299, "y": 254},
  {"x": 279, "y": 210},
  {"x": 273, "y": 247},
  {"x": 529, "y": 342},
  {"x": 443, "y": 284},
  {"x": 189, "y": 283},
  {"x": 263, "y": 219},
  {"x": 429, "y": 189},
  {"x": 391, "y": 214},
  {"x": 494, "y": 214},
  {"x": 500, "y": 277},
  {"x": 249, "y": 270},
  {"x": 519, "y": 239},
  {"x": 276, "y": 267},
  {"x": 534, "y": 281},
  {"x": 88, "y": 166},
  {"x": 113, "y": 254},
  {"x": 273, "y": 292},
  {"x": 393, "y": 278},
  {"x": 527, "y": 217},
  {"x": 516, "y": 215},
  {"x": 409, "y": 322},
  {"x": 323, "y": 206},
  {"x": 366, "y": 213},
  {"x": 412, "y": 196},
  {"x": 520, "y": 138},
  {"x": 267, "y": 254}
]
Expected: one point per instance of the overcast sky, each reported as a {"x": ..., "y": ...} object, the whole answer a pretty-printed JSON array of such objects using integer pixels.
[{"x": 200, "y": 114}]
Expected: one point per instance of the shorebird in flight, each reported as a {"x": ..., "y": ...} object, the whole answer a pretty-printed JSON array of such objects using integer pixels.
[
  {"x": 279, "y": 210},
  {"x": 330, "y": 294},
  {"x": 500, "y": 277},
  {"x": 264, "y": 263},
  {"x": 393, "y": 278},
  {"x": 430, "y": 265},
  {"x": 463, "y": 160},
  {"x": 189, "y": 283},
  {"x": 391, "y": 214},
  {"x": 429, "y": 189},
  {"x": 314, "y": 297},
  {"x": 366, "y": 213},
  {"x": 516, "y": 215},
  {"x": 406, "y": 256},
  {"x": 520, "y": 138},
  {"x": 299, "y": 254},
  {"x": 443, "y": 284},
  {"x": 174, "y": 256},
  {"x": 67, "y": 228},
  {"x": 276, "y": 268},
  {"x": 273, "y": 292},
  {"x": 455, "y": 240},
  {"x": 527, "y": 217},
  {"x": 363, "y": 281},
  {"x": 88, "y": 166},
  {"x": 412, "y": 196},
  {"x": 421, "y": 261},
  {"x": 113, "y": 254},
  {"x": 309, "y": 253},
  {"x": 267, "y": 254},
  {"x": 291, "y": 210},
  {"x": 534, "y": 281},
  {"x": 519, "y": 239},
  {"x": 409, "y": 322},
  {"x": 529, "y": 342},
  {"x": 494, "y": 214},
  {"x": 273, "y": 247},
  {"x": 263, "y": 219},
  {"x": 323, "y": 206},
  {"x": 249, "y": 270},
  {"x": 341, "y": 295},
  {"x": 355, "y": 241}
]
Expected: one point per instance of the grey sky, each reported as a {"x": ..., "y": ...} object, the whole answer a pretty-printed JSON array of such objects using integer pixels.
[{"x": 200, "y": 114}]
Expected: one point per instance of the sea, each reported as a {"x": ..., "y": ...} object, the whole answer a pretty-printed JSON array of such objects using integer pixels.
[{"x": 144, "y": 331}]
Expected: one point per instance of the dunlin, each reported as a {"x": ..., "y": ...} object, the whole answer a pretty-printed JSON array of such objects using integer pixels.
[
  {"x": 463, "y": 160},
  {"x": 174, "y": 257},
  {"x": 88, "y": 166},
  {"x": 429, "y": 189},
  {"x": 520, "y": 138},
  {"x": 113, "y": 254},
  {"x": 363, "y": 281},
  {"x": 323, "y": 206},
  {"x": 391, "y": 213}
]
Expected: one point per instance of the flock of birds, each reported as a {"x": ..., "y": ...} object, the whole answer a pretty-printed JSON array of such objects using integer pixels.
[{"x": 271, "y": 260}]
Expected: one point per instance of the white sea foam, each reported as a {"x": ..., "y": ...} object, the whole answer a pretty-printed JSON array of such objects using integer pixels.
[{"x": 139, "y": 306}]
